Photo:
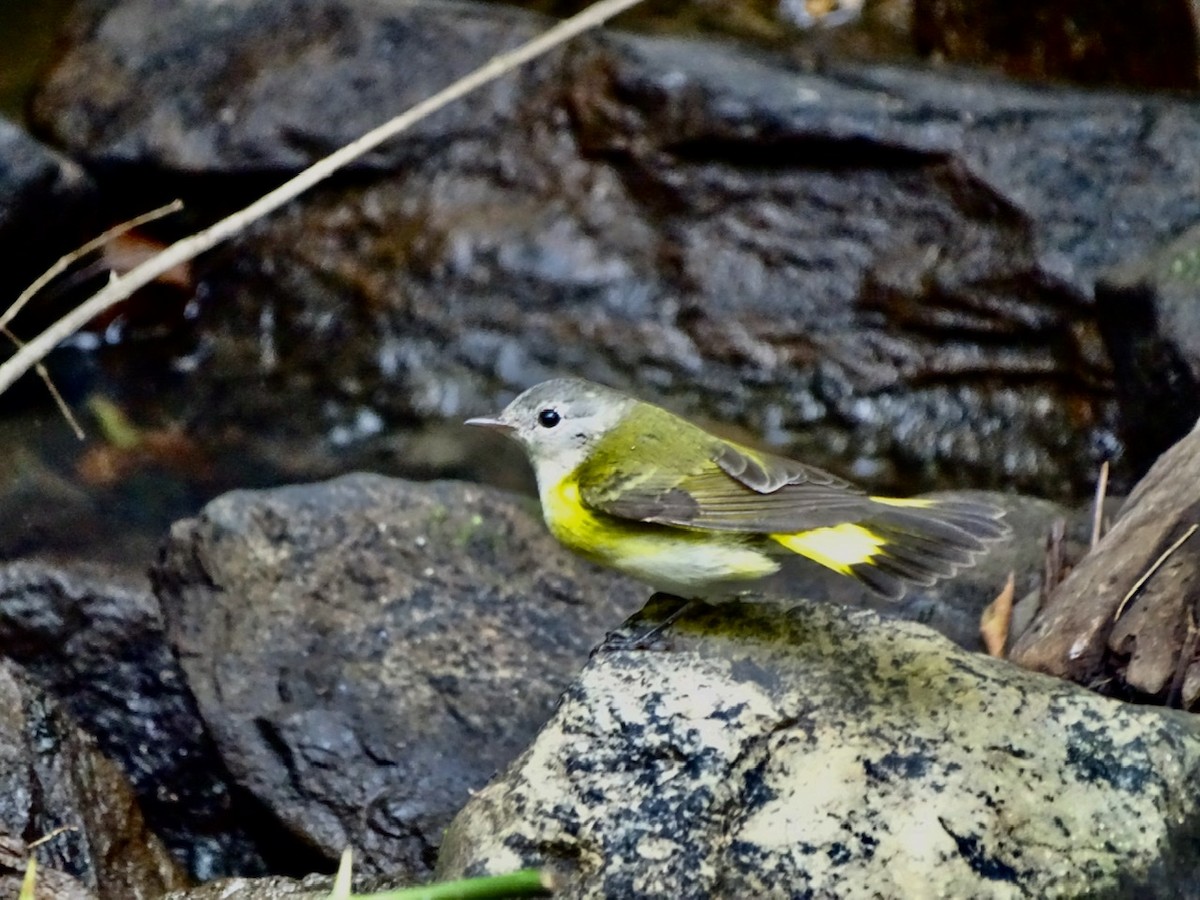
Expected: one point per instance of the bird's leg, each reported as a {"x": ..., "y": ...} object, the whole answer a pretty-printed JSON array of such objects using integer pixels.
[{"x": 646, "y": 640}]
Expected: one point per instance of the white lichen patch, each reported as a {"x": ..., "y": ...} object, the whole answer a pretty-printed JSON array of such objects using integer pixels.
[{"x": 845, "y": 756}]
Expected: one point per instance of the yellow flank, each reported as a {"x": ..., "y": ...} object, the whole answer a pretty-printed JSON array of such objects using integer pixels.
[
  {"x": 679, "y": 560},
  {"x": 911, "y": 503},
  {"x": 838, "y": 547},
  {"x": 572, "y": 522}
]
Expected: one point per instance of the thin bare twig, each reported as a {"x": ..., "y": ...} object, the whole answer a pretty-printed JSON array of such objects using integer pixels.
[
  {"x": 1098, "y": 505},
  {"x": 67, "y": 260},
  {"x": 190, "y": 247},
  {"x": 50, "y": 386},
  {"x": 1137, "y": 585},
  {"x": 63, "y": 263},
  {"x": 51, "y": 835}
]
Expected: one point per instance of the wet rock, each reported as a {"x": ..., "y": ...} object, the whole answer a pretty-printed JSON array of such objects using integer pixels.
[
  {"x": 93, "y": 637},
  {"x": 766, "y": 21},
  {"x": 824, "y": 753},
  {"x": 311, "y": 887},
  {"x": 1124, "y": 619},
  {"x": 1150, "y": 45},
  {"x": 45, "y": 204},
  {"x": 14, "y": 861},
  {"x": 52, "y": 776},
  {"x": 315, "y": 887},
  {"x": 887, "y": 272},
  {"x": 270, "y": 51},
  {"x": 1150, "y": 319},
  {"x": 366, "y": 652}
]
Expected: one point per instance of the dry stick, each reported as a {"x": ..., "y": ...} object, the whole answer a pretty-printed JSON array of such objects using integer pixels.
[
  {"x": 51, "y": 835},
  {"x": 61, "y": 403},
  {"x": 1137, "y": 585},
  {"x": 191, "y": 247},
  {"x": 1098, "y": 505},
  {"x": 65, "y": 262},
  {"x": 61, "y": 265}
]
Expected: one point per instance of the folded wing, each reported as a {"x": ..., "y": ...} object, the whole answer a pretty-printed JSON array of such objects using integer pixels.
[{"x": 734, "y": 489}]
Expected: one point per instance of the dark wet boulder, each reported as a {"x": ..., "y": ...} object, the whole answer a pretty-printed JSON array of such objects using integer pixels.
[
  {"x": 47, "y": 207},
  {"x": 883, "y": 270},
  {"x": 1149, "y": 315},
  {"x": 52, "y": 776},
  {"x": 822, "y": 753},
  {"x": 366, "y": 652},
  {"x": 92, "y": 636},
  {"x": 233, "y": 89}
]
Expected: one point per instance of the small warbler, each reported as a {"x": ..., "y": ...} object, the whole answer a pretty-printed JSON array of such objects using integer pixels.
[{"x": 629, "y": 485}]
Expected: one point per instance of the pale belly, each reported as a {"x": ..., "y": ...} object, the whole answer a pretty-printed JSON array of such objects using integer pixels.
[{"x": 686, "y": 563}]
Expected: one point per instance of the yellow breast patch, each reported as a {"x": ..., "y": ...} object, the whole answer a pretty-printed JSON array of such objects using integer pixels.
[{"x": 679, "y": 560}]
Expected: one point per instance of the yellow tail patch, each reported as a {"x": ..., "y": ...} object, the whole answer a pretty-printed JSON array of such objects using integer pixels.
[
  {"x": 910, "y": 503},
  {"x": 839, "y": 547}
]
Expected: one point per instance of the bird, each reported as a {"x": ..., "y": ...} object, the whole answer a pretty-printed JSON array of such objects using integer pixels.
[{"x": 634, "y": 487}]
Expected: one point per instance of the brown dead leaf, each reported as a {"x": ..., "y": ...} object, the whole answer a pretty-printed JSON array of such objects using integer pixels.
[
  {"x": 126, "y": 252},
  {"x": 995, "y": 621},
  {"x": 169, "y": 448}
]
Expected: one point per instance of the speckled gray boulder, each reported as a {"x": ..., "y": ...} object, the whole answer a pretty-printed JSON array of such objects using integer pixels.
[{"x": 822, "y": 753}]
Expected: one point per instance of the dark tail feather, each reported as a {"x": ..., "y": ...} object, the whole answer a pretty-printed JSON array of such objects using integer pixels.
[{"x": 924, "y": 543}]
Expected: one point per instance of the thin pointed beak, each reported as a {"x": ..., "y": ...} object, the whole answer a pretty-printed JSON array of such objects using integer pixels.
[{"x": 488, "y": 422}]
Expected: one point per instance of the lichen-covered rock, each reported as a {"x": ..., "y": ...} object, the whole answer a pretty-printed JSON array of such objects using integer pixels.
[
  {"x": 819, "y": 753},
  {"x": 368, "y": 651}
]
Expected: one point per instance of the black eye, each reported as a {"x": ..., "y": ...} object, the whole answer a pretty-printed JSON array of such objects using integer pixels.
[{"x": 548, "y": 418}]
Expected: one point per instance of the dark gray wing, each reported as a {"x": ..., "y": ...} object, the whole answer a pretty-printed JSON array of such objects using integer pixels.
[{"x": 738, "y": 489}]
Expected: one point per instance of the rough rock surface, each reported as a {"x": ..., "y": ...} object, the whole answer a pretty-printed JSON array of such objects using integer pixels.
[
  {"x": 368, "y": 651},
  {"x": 1146, "y": 568},
  {"x": 311, "y": 887},
  {"x": 823, "y": 753},
  {"x": 93, "y": 637},
  {"x": 52, "y": 776},
  {"x": 884, "y": 270},
  {"x": 373, "y": 57},
  {"x": 767, "y": 21},
  {"x": 315, "y": 887}
]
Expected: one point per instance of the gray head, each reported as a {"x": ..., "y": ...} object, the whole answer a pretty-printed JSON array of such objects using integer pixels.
[{"x": 559, "y": 421}]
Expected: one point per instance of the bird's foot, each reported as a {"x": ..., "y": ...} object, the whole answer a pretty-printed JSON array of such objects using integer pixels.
[{"x": 647, "y": 640}]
